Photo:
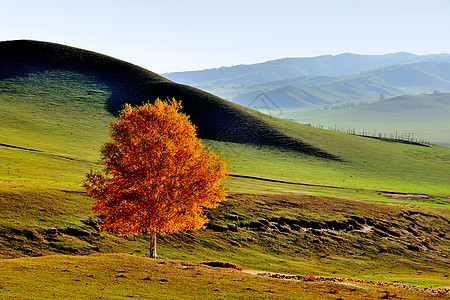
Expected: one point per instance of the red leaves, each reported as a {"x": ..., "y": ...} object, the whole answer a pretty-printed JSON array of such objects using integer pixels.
[{"x": 160, "y": 177}]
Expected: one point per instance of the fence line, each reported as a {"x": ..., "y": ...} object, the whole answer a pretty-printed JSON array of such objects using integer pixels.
[{"x": 397, "y": 137}]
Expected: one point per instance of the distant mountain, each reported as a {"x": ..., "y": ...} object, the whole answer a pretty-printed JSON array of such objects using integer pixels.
[
  {"x": 366, "y": 87},
  {"x": 328, "y": 65},
  {"x": 313, "y": 82}
]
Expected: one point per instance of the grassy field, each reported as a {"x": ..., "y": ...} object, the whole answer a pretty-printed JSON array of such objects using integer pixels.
[
  {"x": 119, "y": 276},
  {"x": 380, "y": 211},
  {"x": 34, "y": 120},
  {"x": 425, "y": 116}
]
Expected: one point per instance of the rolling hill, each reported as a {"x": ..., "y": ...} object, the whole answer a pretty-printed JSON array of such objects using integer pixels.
[
  {"x": 310, "y": 93},
  {"x": 317, "y": 97},
  {"x": 425, "y": 116},
  {"x": 351, "y": 207},
  {"x": 302, "y": 98},
  {"x": 54, "y": 96},
  {"x": 223, "y": 121}
]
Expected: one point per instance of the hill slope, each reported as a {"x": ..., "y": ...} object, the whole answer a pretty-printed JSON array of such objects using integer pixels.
[
  {"x": 62, "y": 112},
  {"x": 214, "y": 117},
  {"x": 424, "y": 115},
  {"x": 54, "y": 119}
]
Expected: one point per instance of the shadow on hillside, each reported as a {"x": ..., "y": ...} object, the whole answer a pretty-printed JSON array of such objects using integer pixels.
[{"x": 214, "y": 117}]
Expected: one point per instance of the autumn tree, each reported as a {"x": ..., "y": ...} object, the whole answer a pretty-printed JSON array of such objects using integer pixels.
[{"x": 158, "y": 175}]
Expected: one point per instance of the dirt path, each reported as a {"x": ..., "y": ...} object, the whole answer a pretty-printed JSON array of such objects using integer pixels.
[{"x": 433, "y": 290}]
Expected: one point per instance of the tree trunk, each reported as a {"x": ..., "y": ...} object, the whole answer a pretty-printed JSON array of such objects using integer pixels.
[{"x": 153, "y": 246}]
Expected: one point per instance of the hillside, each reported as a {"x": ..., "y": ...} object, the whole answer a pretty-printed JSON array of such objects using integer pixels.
[
  {"x": 415, "y": 105},
  {"x": 326, "y": 94},
  {"x": 379, "y": 205},
  {"x": 222, "y": 121},
  {"x": 39, "y": 92},
  {"x": 425, "y": 116}
]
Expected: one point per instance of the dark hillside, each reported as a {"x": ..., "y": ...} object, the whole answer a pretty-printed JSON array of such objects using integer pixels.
[{"x": 214, "y": 117}]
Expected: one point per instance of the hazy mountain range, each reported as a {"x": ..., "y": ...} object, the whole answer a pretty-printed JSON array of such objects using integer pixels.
[{"x": 317, "y": 81}]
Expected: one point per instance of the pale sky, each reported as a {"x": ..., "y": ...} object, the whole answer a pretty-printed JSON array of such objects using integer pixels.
[{"x": 171, "y": 35}]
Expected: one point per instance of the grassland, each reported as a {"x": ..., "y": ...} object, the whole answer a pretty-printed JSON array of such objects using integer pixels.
[
  {"x": 45, "y": 138},
  {"x": 315, "y": 215},
  {"x": 426, "y": 116},
  {"x": 119, "y": 276}
]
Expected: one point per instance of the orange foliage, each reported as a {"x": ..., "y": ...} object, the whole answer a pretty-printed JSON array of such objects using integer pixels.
[{"x": 158, "y": 176}]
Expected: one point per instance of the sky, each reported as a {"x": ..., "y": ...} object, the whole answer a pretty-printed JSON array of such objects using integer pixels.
[{"x": 171, "y": 35}]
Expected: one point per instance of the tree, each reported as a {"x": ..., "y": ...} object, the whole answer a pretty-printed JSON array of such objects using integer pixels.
[{"x": 158, "y": 176}]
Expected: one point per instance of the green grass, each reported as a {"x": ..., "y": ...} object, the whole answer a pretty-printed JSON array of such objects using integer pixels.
[
  {"x": 261, "y": 232},
  {"x": 425, "y": 116},
  {"x": 54, "y": 122},
  {"x": 36, "y": 119},
  {"x": 119, "y": 276},
  {"x": 368, "y": 164},
  {"x": 59, "y": 112}
]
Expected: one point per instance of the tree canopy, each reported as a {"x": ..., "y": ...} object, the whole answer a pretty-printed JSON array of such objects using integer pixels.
[{"x": 158, "y": 175}]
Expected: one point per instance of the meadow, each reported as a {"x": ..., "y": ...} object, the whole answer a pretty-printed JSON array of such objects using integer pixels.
[
  {"x": 425, "y": 116},
  {"x": 380, "y": 211},
  {"x": 119, "y": 276}
]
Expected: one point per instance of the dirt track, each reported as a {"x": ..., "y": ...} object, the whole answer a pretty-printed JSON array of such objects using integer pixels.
[{"x": 433, "y": 290}]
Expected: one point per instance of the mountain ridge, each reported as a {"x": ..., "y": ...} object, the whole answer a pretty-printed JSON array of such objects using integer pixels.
[
  {"x": 336, "y": 79},
  {"x": 325, "y": 65}
]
